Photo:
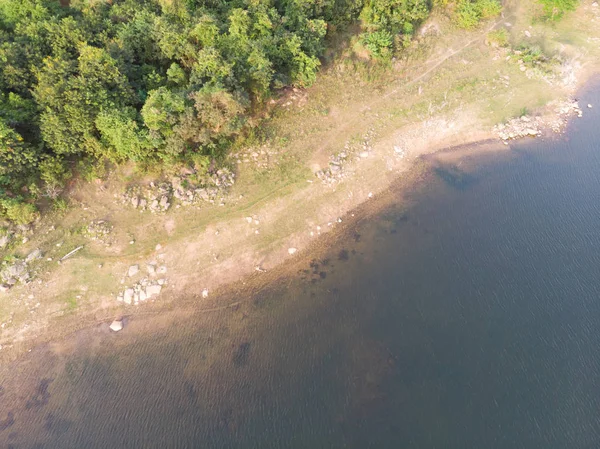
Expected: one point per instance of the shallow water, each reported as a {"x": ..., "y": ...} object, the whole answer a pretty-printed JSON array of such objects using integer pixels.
[{"x": 469, "y": 318}]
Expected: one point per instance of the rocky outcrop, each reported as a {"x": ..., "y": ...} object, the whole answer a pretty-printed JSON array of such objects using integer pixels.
[
  {"x": 185, "y": 190},
  {"x": 528, "y": 126}
]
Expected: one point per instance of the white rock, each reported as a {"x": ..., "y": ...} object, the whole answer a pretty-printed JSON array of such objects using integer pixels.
[
  {"x": 364, "y": 154},
  {"x": 527, "y": 33},
  {"x": 128, "y": 296},
  {"x": 161, "y": 270},
  {"x": 116, "y": 325},
  {"x": 151, "y": 269},
  {"x": 161, "y": 282},
  {"x": 133, "y": 270},
  {"x": 590, "y": 106},
  {"x": 249, "y": 220},
  {"x": 158, "y": 247},
  {"x": 292, "y": 250},
  {"x": 153, "y": 290},
  {"x": 370, "y": 195},
  {"x": 35, "y": 254},
  {"x": 205, "y": 293},
  {"x": 143, "y": 295}
]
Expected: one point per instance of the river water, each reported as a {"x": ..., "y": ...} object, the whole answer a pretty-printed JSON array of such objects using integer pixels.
[{"x": 464, "y": 316}]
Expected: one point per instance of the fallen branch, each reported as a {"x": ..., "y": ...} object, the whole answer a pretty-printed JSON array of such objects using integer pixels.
[{"x": 66, "y": 256}]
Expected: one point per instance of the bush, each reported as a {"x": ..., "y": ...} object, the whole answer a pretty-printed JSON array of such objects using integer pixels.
[
  {"x": 468, "y": 13},
  {"x": 497, "y": 38},
  {"x": 555, "y": 9},
  {"x": 379, "y": 43},
  {"x": 54, "y": 173},
  {"x": 19, "y": 212}
]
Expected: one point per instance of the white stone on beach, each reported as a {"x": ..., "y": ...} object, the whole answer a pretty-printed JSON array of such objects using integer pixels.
[
  {"x": 292, "y": 251},
  {"x": 153, "y": 290},
  {"x": 133, "y": 270},
  {"x": 590, "y": 106},
  {"x": 128, "y": 296},
  {"x": 364, "y": 154},
  {"x": 116, "y": 325},
  {"x": 205, "y": 293}
]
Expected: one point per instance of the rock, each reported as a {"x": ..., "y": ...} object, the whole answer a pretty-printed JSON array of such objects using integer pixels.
[
  {"x": 590, "y": 106},
  {"x": 164, "y": 203},
  {"x": 128, "y": 296},
  {"x": 133, "y": 270},
  {"x": 595, "y": 4},
  {"x": 16, "y": 271},
  {"x": 249, "y": 220},
  {"x": 158, "y": 247},
  {"x": 4, "y": 288},
  {"x": 364, "y": 154},
  {"x": 35, "y": 254},
  {"x": 153, "y": 290},
  {"x": 527, "y": 33},
  {"x": 161, "y": 282},
  {"x": 116, "y": 325},
  {"x": 292, "y": 251},
  {"x": 143, "y": 295},
  {"x": 205, "y": 293},
  {"x": 161, "y": 270},
  {"x": 151, "y": 269},
  {"x": 4, "y": 239},
  {"x": 135, "y": 201}
]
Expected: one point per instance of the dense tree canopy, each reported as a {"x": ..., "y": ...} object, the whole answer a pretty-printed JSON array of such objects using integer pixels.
[{"x": 158, "y": 80}]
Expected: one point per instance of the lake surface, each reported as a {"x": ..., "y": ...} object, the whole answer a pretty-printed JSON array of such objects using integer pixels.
[{"x": 467, "y": 317}]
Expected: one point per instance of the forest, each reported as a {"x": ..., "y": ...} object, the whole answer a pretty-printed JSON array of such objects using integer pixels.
[{"x": 163, "y": 81}]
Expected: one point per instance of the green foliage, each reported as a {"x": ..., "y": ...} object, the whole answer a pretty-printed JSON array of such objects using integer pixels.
[
  {"x": 17, "y": 211},
  {"x": 384, "y": 19},
  {"x": 556, "y": 9},
  {"x": 54, "y": 173},
  {"x": 157, "y": 80},
  {"x": 379, "y": 43},
  {"x": 498, "y": 38},
  {"x": 469, "y": 13}
]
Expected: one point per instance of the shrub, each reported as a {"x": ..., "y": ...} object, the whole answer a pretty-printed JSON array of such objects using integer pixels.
[
  {"x": 555, "y": 9},
  {"x": 19, "y": 212},
  {"x": 379, "y": 43},
  {"x": 468, "y": 13},
  {"x": 498, "y": 38}
]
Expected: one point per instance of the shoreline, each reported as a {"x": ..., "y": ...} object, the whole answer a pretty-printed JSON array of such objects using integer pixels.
[
  {"x": 412, "y": 177},
  {"x": 224, "y": 272}
]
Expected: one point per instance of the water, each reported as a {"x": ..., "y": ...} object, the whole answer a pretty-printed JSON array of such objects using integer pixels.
[{"x": 466, "y": 316}]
